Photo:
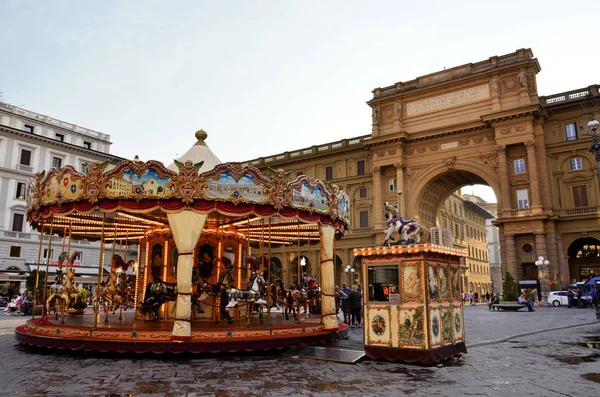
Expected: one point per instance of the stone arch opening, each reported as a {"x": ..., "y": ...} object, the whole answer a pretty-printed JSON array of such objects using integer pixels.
[{"x": 584, "y": 258}]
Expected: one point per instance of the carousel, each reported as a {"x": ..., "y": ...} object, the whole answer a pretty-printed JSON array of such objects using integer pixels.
[{"x": 202, "y": 279}]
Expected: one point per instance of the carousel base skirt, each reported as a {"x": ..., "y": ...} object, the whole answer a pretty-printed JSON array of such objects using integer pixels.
[
  {"x": 134, "y": 336},
  {"x": 426, "y": 357}
]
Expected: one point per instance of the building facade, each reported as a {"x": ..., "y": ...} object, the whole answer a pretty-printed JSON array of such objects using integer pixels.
[
  {"x": 30, "y": 143},
  {"x": 479, "y": 123}
]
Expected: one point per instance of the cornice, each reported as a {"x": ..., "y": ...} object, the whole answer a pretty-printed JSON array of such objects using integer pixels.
[{"x": 49, "y": 142}]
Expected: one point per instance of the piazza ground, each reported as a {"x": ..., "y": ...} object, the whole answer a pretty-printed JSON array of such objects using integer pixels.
[{"x": 550, "y": 352}]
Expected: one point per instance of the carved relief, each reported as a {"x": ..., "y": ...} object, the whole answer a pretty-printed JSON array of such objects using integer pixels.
[
  {"x": 491, "y": 161},
  {"x": 522, "y": 79},
  {"x": 381, "y": 154},
  {"x": 409, "y": 151},
  {"x": 376, "y": 115},
  {"x": 450, "y": 162},
  {"x": 521, "y": 127},
  {"x": 530, "y": 144},
  {"x": 504, "y": 130},
  {"x": 413, "y": 172},
  {"x": 464, "y": 141},
  {"x": 490, "y": 137},
  {"x": 494, "y": 86},
  {"x": 391, "y": 151},
  {"x": 478, "y": 139},
  {"x": 433, "y": 148},
  {"x": 398, "y": 109},
  {"x": 421, "y": 149}
]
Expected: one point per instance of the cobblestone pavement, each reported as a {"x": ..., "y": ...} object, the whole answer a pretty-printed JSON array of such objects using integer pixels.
[{"x": 551, "y": 352}]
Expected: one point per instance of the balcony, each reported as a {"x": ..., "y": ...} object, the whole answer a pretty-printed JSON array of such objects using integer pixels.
[
  {"x": 521, "y": 212},
  {"x": 581, "y": 211}
]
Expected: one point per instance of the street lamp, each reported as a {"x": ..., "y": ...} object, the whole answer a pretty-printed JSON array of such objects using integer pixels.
[
  {"x": 595, "y": 147},
  {"x": 540, "y": 263},
  {"x": 349, "y": 271}
]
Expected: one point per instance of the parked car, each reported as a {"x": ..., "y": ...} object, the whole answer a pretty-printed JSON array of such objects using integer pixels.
[{"x": 557, "y": 298}]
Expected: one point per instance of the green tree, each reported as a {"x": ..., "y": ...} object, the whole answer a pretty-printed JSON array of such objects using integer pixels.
[
  {"x": 30, "y": 283},
  {"x": 510, "y": 289}
]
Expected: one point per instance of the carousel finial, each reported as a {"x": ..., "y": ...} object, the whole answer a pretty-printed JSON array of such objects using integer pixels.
[
  {"x": 201, "y": 136},
  {"x": 136, "y": 158}
]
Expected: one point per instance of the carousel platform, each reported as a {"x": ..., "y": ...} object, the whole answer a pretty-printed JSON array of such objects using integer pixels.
[{"x": 135, "y": 336}]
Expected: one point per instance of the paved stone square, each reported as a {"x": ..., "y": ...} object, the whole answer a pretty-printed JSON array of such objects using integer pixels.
[{"x": 550, "y": 352}]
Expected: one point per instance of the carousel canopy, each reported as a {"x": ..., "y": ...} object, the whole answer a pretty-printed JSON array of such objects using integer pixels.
[{"x": 134, "y": 198}]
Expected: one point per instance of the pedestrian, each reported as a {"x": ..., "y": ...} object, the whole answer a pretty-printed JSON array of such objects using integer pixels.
[
  {"x": 345, "y": 303},
  {"x": 337, "y": 300},
  {"x": 570, "y": 296},
  {"x": 470, "y": 296},
  {"x": 475, "y": 298},
  {"x": 354, "y": 299},
  {"x": 462, "y": 296},
  {"x": 487, "y": 296},
  {"x": 580, "y": 303}
]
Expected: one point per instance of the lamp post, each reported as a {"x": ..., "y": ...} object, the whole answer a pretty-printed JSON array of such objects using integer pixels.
[
  {"x": 595, "y": 147},
  {"x": 349, "y": 272},
  {"x": 540, "y": 263}
]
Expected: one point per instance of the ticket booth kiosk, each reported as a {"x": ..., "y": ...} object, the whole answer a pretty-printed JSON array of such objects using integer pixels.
[{"x": 412, "y": 303}]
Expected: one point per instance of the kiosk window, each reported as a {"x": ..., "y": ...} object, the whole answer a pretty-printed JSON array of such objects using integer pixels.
[{"x": 383, "y": 283}]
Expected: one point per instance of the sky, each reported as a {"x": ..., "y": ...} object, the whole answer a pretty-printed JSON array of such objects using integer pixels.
[{"x": 263, "y": 77}]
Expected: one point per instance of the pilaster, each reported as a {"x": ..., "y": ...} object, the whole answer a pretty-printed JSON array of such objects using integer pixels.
[{"x": 534, "y": 182}]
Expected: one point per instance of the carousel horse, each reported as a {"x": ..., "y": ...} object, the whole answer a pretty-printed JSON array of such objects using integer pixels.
[
  {"x": 409, "y": 230},
  {"x": 119, "y": 288},
  {"x": 289, "y": 299},
  {"x": 215, "y": 289},
  {"x": 254, "y": 295},
  {"x": 63, "y": 288},
  {"x": 157, "y": 293}
]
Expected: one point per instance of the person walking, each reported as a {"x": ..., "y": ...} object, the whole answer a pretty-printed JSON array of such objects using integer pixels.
[
  {"x": 355, "y": 303},
  {"x": 345, "y": 303},
  {"x": 570, "y": 296},
  {"x": 470, "y": 296}
]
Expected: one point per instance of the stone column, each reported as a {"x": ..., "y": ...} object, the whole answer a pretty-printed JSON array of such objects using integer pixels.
[
  {"x": 378, "y": 199},
  {"x": 505, "y": 185},
  {"x": 534, "y": 182},
  {"x": 540, "y": 249},
  {"x": 563, "y": 263},
  {"x": 400, "y": 187},
  {"x": 511, "y": 257}
]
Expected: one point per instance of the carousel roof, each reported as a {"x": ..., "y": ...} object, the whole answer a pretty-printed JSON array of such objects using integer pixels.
[{"x": 134, "y": 198}]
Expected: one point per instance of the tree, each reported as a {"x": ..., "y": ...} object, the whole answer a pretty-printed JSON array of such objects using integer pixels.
[
  {"x": 510, "y": 289},
  {"x": 30, "y": 283}
]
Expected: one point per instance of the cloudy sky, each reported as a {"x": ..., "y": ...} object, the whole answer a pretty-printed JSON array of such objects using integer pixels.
[{"x": 263, "y": 77}]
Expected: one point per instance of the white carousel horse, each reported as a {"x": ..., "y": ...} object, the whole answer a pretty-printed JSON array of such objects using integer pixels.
[
  {"x": 254, "y": 295},
  {"x": 64, "y": 286},
  {"x": 409, "y": 230}
]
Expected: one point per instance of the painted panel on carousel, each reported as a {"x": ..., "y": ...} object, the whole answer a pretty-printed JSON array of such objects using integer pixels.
[
  {"x": 343, "y": 205},
  {"x": 411, "y": 327},
  {"x": 435, "y": 327},
  {"x": 131, "y": 182},
  {"x": 411, "y": 282},
  {"x": 455, "y": 280},
  {"x": 433, "y": 285},
  {"x": 226, "y": 186},
  {"x": 307, "y": 196},
  {"x": 378, "y": 325},
  {"x": 447, "y": 325},
  {"x": 63, "y": 184},
  {"x": 458, "y": 324},
  {"x": 445, "y": 283}
]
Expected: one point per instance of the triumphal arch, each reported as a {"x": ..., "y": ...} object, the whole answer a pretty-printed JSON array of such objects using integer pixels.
[{"x": 484, "y": 123}]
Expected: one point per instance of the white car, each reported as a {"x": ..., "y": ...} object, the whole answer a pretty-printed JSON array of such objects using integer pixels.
[{"x": 557, "y": 298}]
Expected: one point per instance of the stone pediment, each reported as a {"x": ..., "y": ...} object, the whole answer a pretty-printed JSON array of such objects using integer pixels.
[
  {"x": 522, "y": 180},
  {"x": 578, "y": 178}
]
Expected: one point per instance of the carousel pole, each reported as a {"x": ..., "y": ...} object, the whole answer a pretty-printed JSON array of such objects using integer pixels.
[
  {"x": 111, "y": 268},
  {"x": 44, "y": 310},
  {"x": 269, "y": 282},
  {"x": 298, "y": 261},
  {"x": 37, "y": 273},
  {"x": 62, "y": 320},
  {"x": 100, "y": 275}
]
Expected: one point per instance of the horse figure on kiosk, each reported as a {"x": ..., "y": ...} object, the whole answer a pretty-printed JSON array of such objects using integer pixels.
[
  {"x": 63, "y": 288},
  {"x": 408, "y": 230}
]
